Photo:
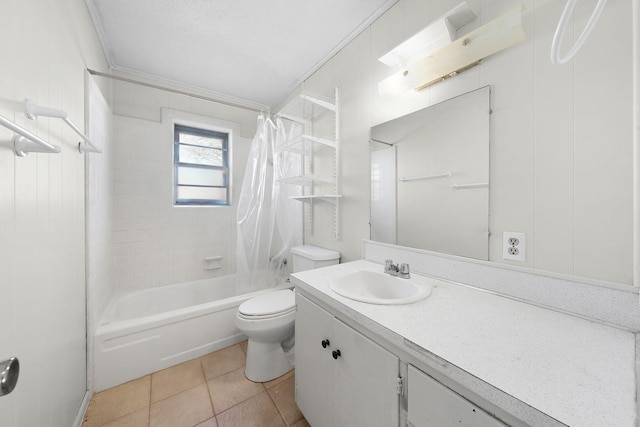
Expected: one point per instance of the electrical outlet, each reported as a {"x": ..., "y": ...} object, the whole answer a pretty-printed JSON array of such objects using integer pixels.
[{"x": 513, "y": 246}]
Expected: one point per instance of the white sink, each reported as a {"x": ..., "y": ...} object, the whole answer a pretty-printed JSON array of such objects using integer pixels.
[{"x": 379, "y": 288}]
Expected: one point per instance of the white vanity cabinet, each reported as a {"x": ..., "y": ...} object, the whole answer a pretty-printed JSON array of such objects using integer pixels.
[
  {"x": 456, "y": 370},
  {"x": 431, "y": 404},
  {"x": 345, "y": 379},
  {"x": 342, "y": 377}
]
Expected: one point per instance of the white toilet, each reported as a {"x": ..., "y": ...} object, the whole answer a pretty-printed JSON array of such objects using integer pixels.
[{"x": 268, "y": 320}]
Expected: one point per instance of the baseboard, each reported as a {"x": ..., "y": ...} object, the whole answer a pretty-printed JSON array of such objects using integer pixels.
[{"x": 83, "y": 409}]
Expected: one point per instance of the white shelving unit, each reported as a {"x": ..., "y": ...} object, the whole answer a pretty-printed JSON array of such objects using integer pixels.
[{"x": 319, "y": 138}]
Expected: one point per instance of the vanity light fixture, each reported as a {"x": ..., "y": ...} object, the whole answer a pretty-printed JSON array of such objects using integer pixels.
[
  {"x": 425, "y": 69},
  {"x": 436, "y": 35}
]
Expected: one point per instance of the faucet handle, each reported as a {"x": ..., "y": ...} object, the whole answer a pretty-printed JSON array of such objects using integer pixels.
[
  {"x": 404, "y": 269},
  {"x": 388, "y": 266}
]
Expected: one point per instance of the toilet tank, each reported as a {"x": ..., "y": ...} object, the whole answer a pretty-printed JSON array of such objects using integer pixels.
[{"x": 308, "y": 257}]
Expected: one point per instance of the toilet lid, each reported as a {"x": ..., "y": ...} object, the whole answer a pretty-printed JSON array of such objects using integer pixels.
[{"x": 270, "y": 303}]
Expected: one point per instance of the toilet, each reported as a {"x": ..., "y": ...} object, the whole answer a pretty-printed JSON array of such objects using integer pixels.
[{"x": 268, "y": 319}]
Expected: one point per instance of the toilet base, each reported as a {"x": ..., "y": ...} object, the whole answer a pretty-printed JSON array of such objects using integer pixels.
[{"x": 266, "y": 361}]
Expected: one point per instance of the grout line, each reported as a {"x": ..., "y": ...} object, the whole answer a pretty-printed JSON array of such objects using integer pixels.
[
  {"x": 149, "y": 405},
  {"x": 206, "y": 383},
  {"x": 277, "y": 407},
  {"x": 209, "y": 391}
]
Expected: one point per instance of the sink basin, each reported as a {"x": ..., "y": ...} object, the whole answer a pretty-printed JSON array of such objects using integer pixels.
[{"x": 379, "y": 288}]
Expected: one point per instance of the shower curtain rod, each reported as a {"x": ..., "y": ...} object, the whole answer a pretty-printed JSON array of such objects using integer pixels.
[
  {"x": 177, "y": 91},
  {"x": 380, "y": 142}
]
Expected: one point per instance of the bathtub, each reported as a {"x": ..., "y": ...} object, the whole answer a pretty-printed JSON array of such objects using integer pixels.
[{"x": 149, "y": 330}]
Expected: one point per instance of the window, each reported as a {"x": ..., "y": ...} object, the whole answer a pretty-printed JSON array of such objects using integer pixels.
[{"x": 201, "y": 166}]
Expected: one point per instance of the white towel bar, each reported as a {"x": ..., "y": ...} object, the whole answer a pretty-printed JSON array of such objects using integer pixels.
[
  {"x": 441, "y": 175},
  {"x": 465, "y": 186},
  {"x": 33, "y": 110},
  {"x": 26, "y": 142}
]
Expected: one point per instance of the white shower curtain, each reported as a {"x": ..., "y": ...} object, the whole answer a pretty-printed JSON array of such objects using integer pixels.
[
  {"x": 269, "y": 222},
  {"x": 288, "y": 210}
]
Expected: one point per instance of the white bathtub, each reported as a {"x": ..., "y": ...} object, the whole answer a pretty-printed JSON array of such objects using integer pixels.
[{"x": 152, "y": 329}]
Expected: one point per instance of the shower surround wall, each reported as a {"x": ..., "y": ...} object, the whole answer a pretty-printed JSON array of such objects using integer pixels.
[{"x": 154, "y": 242}]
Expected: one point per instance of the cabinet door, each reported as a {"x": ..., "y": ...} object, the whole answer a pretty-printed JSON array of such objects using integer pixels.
[
  {"x": 313, "y": 326},
  {"x": 431, "y": 404},
  {"x": 356, "y": 387},
  {"x": 365, "y": 378}
]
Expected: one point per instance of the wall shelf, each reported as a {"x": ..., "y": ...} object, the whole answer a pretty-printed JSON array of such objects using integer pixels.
[
  {"x": 307, "y": 179},
  {"x": 331, "y": 198},
  {"x": 319, "y": 119},
  {"x": 329, "y": 142},
  {"x": 296, "y": 144}
]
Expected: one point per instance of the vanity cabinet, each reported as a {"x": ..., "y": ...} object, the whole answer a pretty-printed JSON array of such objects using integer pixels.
[
  {"x": 432, "y": 404},
  {"x": 342, "y": 377},
  {"x": 345, "y": 379}
]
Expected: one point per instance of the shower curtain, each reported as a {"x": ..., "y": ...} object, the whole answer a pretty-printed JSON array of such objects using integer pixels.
[{"x": 269, "y": 221}]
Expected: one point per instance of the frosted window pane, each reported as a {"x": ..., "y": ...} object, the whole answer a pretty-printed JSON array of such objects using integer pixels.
[
  {"x": 202, "y": 193},
  {"x": 204, "y": 141},
  {"x": 200, "y": 176},
  {"x": 200, "y": 156}
]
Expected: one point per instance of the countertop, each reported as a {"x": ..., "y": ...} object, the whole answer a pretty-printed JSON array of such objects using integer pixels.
[{"x": 578, "y": 372}]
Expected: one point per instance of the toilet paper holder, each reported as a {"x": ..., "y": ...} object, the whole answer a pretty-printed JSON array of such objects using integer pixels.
[{"x": 9, "y": 371}]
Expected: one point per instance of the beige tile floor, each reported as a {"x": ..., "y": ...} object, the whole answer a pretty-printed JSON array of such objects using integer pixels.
[{"x": 210, "y": 391}]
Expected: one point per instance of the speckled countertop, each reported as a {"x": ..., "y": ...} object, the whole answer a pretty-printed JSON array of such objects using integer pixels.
[{"x": 575, "y": 371}]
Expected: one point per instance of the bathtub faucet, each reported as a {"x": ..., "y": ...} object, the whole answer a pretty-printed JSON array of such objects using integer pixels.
[{"x": 401, "y": 270}]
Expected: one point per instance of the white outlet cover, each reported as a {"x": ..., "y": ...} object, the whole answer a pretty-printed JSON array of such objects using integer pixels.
[{"x": 513, "y": 252}]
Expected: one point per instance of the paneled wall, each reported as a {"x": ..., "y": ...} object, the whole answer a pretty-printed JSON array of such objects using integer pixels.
[
  {"x": 45, "y": 49},
  {"x": 561, "y": 136}
]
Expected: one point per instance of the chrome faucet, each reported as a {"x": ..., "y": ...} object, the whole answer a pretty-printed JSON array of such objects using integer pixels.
[{"x": 401, "y": 270}]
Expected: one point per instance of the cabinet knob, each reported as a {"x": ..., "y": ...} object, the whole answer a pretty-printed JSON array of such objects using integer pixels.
[
  {"x": 325, "y": 343},
  {"x": 336, "y": 354}
]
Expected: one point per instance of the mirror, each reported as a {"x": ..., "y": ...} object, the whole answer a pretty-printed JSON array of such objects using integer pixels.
[{"x": 430, "y": 177}]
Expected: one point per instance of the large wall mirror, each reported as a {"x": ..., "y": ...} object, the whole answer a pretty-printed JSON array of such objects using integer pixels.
[{"x": 430, "y": 177}]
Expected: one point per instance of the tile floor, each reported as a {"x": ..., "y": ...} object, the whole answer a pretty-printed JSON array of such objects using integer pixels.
[{"x": 210, "y": 391}]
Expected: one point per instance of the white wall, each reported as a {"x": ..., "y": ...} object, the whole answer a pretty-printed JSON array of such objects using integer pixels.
[
  {"x": 45, "y": 49},
  {"x": 561, "y": 151}
]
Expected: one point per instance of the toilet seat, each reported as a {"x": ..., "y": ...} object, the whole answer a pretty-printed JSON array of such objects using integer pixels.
[
  {"x": 269, "y": 305},
  {"x": 266, "y": 316}
]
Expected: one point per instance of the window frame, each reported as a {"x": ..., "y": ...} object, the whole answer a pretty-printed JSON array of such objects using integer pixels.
[{"x": 179, "y": 128}]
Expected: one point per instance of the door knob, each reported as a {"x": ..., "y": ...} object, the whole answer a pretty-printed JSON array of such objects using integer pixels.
[{"x": 9, "y": 370}]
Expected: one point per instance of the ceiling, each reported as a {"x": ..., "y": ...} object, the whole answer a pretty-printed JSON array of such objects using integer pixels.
[{"x": 250, "y": 52}]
